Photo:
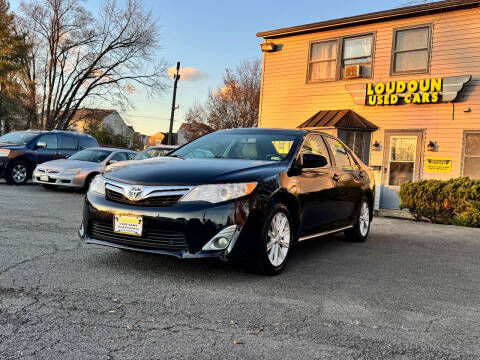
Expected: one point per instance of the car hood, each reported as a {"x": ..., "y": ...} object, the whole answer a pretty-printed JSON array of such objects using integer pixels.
[
  {"x": 173, "y": 171},
  {"x": 65, "y": 164}
]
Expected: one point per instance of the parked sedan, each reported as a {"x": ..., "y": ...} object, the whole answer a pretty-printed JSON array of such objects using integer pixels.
[
  {"x": 79, "y": 169},
  {"x": 243, "y": 194}
]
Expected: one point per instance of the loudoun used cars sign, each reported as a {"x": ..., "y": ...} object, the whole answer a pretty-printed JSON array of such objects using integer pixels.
[{"x": 423, "y": 91}]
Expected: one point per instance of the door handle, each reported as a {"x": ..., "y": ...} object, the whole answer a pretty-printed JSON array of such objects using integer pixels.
[{"x": 335, "y": 177}]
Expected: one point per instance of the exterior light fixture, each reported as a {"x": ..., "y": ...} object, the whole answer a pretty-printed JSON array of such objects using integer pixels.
[
  {"x": 268, "y": 47},
  {"x": 376, "y": 146},
  {"x": 432, "y": 146}
]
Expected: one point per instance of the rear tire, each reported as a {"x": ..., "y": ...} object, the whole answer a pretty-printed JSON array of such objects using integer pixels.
[
  {"x": 276, "y": 241},
  {"x": 360, "y": 230},
  {"x": 18, "y": 173}
]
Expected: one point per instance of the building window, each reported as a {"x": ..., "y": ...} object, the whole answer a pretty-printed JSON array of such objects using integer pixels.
[
  {"x": 359, "y": 142},
  {"x": 411, "y": 50},
  {"x": 323, "y": 61},
  {"x": 471, "y": 160},
  {"x": 357, "y": 57}
]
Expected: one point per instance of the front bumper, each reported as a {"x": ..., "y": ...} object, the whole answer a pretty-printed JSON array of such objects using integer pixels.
[
  {"x": 72, "y": 181},
  {"x": 180, "y": 230},
  {"x": 3, "y": 166}
]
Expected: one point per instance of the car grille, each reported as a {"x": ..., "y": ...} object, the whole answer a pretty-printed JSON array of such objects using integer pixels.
[
  {"x": 151, "y": 238},
  {"x": 167, "y": 200}
]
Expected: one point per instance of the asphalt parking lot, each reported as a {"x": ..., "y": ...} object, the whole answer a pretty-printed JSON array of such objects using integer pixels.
[{"x": 411, "y": 291}]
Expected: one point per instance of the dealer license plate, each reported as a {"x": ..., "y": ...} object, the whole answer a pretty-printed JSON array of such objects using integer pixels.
[
  {"x": 128, "y": 224},
  {"x": 44, "y": 178}
]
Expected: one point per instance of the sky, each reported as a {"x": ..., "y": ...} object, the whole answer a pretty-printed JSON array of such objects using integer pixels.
[{"x": 207, "y": 36}]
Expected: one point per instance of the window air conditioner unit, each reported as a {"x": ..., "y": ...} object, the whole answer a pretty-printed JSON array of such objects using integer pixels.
[{"x": 353, "y": 71}]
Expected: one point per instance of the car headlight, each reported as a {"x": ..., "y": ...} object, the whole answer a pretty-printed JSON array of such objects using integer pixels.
[
  {"x": 72, "y": 171},
  {"x": 4, "y": 152},
  {"x": 216, "y": 193},
  {"x": 98, "y": 185}
]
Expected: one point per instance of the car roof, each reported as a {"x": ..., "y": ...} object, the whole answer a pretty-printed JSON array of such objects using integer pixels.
[
  {"x": 258, "y": 131},
  {"x": 68, "y": 132},
  {"x": 162, "y": 147},
  {"x": 246, "y": 131},
  {"x": 109, "y": 149}
]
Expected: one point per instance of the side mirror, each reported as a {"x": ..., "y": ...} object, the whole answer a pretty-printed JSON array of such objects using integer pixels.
[
  {"x": 310, "y": 161},
  {"x": 41, "y": 145},
  {"x": 110, "y": 162}
]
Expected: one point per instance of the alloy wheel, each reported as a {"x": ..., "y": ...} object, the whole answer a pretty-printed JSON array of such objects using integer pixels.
[
  {"x": 364, "y": 219},
  {"x": 278, "y": 239},
  {"x": 19, "y": 173}
]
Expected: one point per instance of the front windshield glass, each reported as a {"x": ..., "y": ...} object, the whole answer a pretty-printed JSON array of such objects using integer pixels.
[
  {"x": 263, "y": 147},
  {"x": 91, "y": 155},
  {"x": 17, "y": 138},
  {"x": 152, "y": 153}
]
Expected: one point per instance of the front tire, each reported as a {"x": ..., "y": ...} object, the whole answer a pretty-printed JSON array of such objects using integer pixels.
[
  {"x": 87, "y": 183},
  {"x": 18, "y": 173},
  {"x": 359, "y": 232},
  {"x": 276, "y": 241}
]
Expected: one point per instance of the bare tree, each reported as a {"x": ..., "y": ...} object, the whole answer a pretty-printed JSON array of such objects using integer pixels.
[
  {"x": 83, "y": 59},
  {"x": 234, "y": 104}
]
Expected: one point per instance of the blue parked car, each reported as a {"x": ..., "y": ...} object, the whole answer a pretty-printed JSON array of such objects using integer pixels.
[{"x": 22, "y": 151}]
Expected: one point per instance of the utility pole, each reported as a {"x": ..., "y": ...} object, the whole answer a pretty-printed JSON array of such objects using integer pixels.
[{"x": 176, "y": 77}]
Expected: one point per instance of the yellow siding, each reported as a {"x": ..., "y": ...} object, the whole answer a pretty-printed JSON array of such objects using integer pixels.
[{"x": 287, "y": 100}]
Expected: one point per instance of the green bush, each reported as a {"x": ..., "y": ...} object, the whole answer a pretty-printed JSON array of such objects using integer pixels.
[
  {"x": 456, "y": 201},
  {"x": 468, "y": 217}
]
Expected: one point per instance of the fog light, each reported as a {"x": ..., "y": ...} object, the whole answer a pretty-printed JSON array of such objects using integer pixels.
[{"x": 221, "y": 241}]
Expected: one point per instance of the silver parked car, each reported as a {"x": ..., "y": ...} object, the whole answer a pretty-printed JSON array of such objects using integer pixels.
[
  {"x": 155, "y": 151},
  {"x": 78, "y": 170}
]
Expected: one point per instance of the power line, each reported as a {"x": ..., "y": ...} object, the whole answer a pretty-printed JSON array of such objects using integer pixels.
[{"x": 147, "y": 117}]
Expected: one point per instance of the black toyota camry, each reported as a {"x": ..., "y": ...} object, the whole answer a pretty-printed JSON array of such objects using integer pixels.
[{"x": 248, "y": 195}]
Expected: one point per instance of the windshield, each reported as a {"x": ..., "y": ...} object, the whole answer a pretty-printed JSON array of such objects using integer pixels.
[
  {"x": 263, "y": 147},
  {"x": 91, "y": 155},
  {"x": 17, "y": 138},
  {"x": 152, "y": 153}
]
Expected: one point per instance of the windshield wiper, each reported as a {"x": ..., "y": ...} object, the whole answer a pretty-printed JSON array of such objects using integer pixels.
[{"x": 175, "y": 156}]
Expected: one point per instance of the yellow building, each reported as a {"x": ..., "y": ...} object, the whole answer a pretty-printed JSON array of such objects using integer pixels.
[{"x": 400, "y": 87}]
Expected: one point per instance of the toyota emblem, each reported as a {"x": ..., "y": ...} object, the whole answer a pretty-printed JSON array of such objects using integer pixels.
[{"x": 135, "y": 192}]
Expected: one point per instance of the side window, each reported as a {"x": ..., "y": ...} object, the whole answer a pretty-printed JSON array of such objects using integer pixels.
[
  {"x": 353, "y": 162},
  {"x": 87, "y": 142},
  {"x": 339, "y": 152},
  {"x": 131, "y": 156},
  {"x": 314, "y": 144},
  {"x": 50, "y": 140},
  {"x": 67, "y": 142},
  {"x": 119, "y": 156}
]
